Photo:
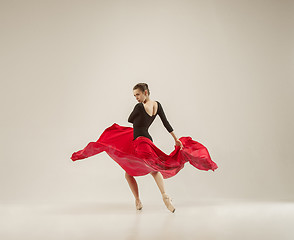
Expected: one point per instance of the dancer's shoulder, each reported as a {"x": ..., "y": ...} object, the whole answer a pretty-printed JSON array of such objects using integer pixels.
[
  {"x": 159, "y": 104},
  {"x": 138, "y": 106}
]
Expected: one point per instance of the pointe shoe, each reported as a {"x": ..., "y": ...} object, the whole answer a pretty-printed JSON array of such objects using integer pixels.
[
  {"x": 139, "y": 205},
  {"x": 167, "y": 201}
]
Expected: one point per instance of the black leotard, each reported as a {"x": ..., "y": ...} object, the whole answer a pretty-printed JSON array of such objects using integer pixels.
[{"x": 142, "y": 120}]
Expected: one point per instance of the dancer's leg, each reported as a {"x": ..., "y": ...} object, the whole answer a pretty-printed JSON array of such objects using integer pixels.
[
  {"x": 133, "y": 185},
  {"x": 159, "y": 181}
]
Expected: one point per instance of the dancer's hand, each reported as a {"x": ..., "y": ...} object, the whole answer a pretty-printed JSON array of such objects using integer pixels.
[{"x": 179, "y": 143}]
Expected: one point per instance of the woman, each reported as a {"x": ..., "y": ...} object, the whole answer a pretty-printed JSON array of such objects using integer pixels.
[
  {"x": 133, "y": 148},
  {"x": 142, "y": 117}
]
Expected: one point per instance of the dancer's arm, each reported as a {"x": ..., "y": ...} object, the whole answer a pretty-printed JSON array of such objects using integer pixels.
[
  {"x": 168, "y": 126},
  {"x": 164, "y": 119},
  {"x": 177, "y": 141},
  {"x": 174, "y": 135}
]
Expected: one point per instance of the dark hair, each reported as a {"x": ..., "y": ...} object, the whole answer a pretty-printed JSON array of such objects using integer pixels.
[{"x": 142, "y": 87}]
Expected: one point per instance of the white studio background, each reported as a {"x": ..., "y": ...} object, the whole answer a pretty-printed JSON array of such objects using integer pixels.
[{"x": 223, "y": 71}]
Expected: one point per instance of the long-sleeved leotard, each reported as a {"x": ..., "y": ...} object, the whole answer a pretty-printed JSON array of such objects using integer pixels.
[{"x": 142, "y": 120}]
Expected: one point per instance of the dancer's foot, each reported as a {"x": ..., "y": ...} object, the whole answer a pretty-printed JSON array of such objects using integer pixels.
[
  {"x": 167, "y": 201},
  {"x": 139, "y": 205}
]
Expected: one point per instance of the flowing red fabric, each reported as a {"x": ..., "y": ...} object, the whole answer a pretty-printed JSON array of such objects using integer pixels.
[{"x": 141, "y": 156}]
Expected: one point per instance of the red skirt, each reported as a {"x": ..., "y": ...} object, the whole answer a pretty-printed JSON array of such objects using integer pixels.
[{"x": 141, "y": 156}]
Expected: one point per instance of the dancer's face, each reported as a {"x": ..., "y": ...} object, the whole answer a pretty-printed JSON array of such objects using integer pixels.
[{"x": 139, "y": 95}]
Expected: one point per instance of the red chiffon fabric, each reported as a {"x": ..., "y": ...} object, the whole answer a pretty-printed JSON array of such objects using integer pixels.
[{"x": 141, "y": 156}]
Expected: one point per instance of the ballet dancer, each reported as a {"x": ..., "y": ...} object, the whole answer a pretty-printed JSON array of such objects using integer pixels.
[{"x": 142, "y": 117}]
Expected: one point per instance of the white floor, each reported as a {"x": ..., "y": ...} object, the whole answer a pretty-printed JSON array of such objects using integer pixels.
[{"x": 200, "y": 220}]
